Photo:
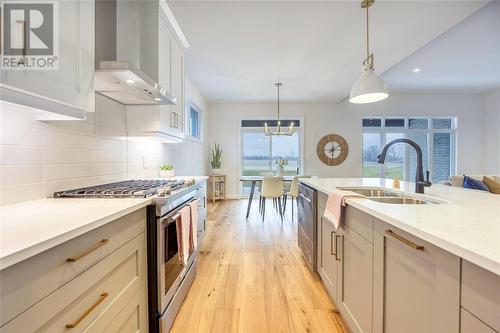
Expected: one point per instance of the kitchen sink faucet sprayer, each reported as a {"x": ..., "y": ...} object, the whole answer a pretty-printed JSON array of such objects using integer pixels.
[{"x": 420, "y": 183}]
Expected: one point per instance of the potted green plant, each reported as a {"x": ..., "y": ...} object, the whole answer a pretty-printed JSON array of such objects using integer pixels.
[
  {"x": 166, "y": 171},
  {"x": 216, "y": 160}
]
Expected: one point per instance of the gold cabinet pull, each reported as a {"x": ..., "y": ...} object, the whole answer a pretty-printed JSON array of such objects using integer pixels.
[
  {"x": 102, "y": 297},
  {"x": 88, "y": 251},
  {"x": 337, "y": 247},
  {"x": 404, "y": 240},
  {"x": 332, "y": 252}
]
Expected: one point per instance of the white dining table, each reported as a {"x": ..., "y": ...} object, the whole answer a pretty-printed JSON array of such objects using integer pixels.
[{"x": 255, "y": 180}]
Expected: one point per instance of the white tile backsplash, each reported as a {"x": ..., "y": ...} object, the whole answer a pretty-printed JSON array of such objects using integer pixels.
[
  {"x": 20, "y": 192},
  {"x": 20, "y": 155},
  {"x": 21, "y": 174},
  {"x": 39, "y": 158},
  {"x": 21, "y": 136}
]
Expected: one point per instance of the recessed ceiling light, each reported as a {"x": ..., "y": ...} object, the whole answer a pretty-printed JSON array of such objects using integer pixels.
[
  {"x": 416, "y": 70},
  {"x": 130, "y": 81},
  {"x": 157, "y": 99}
]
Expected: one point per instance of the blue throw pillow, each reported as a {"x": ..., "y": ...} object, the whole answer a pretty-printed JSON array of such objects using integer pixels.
[{"x": 474, "y": 184}]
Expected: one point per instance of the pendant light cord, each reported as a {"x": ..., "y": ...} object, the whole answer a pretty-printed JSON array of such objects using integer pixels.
[
  {"x": 278, "y": 124},
  {"x": 278, "y": 102},
  {"x": 367, "y": 31}
]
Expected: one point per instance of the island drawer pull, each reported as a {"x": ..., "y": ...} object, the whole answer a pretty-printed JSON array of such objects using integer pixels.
[
  {"x": 337, "y": 247},
  {"x": 102, "y": 297},
  {"x": 404, "y": 240},
  {"x": 88, "y": 251},
  {"x": 332, "y": 252}
]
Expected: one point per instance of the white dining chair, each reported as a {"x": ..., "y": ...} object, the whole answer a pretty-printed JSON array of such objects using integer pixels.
[{"x": 272, "y": 187}]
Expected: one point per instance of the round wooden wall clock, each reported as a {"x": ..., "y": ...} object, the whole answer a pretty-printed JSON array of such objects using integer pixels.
[{"x": 332, "y": 149}]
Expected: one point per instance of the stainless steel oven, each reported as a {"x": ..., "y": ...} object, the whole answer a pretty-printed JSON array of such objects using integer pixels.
[
  {"x": 307, "y": 225},
  {"x": 168, "y": 278},
  {"x": 171, "y": 269}
]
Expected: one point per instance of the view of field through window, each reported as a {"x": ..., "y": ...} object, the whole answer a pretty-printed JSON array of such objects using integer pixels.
[
  {"x": 434, "y": 136},
  {"x": 261, "y": 153}
]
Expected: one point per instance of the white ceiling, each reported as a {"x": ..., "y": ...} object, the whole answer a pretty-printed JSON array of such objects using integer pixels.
[
  {"x": 240, "y": 48},
  {"x": 466, "y": 58}
]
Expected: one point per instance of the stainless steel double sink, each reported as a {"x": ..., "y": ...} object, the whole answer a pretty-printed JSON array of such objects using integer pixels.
[{"x": 388, "y": 196}]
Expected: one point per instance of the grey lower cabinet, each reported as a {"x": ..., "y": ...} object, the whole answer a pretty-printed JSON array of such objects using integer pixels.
[
  {"x": 416, "y": 286},
  {"x": 480, "y": 298},
  {"x": 345, "y": 264},
  {"x": 355, "y": 293},
  {"x": 470, "y": 324},
  {"x": 328, "y": 259},
  {"x": 385, "y": 280}
]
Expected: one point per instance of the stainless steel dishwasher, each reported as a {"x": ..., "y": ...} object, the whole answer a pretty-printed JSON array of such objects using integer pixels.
[{"x": 307, "y": 224}]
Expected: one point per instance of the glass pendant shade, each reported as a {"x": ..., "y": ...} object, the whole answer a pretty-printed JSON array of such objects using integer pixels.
[{"x": 369, "y": 88}]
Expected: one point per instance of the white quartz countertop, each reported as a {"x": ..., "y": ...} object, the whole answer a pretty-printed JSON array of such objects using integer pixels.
[
  {"x": 32, "y": 227},
  {"x": 466, "y": 224}
]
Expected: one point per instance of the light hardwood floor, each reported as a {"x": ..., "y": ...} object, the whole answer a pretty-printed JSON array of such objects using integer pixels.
[{"x": 251, "y": 278}]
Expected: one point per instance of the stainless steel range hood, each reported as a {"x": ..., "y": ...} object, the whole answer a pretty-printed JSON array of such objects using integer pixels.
[
  {"x": 123, "y": 82},
  {"x": 116, "y": 78}
]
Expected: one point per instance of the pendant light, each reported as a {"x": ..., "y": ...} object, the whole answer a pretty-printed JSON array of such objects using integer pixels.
[
  {"x": 279, "y": 131},
  {"x": 369, "y": 88}
]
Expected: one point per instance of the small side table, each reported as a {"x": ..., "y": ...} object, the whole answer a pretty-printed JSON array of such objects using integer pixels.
[{"x": 217, "y": 187}]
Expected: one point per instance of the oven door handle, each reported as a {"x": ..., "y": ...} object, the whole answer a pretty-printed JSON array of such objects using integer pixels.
[{"x": 174, "y": 217}]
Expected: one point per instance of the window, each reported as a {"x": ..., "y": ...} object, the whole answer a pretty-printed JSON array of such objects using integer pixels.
[
  {"x": 260, "y": 153},
  {"x": 193, "y": 121},
  {"x": 435, "y": 136}
]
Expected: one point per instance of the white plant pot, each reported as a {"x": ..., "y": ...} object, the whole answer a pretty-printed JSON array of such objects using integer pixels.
[
  {"x": 167, "y": 173},
  {"x": 280, "y": 171},
  {"x": 216, "y": 171}
]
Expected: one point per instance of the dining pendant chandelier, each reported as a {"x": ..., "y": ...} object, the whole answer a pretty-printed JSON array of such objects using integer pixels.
[
  {"x": 369, "y": 88},
  {"x": 278, "y": 130}
]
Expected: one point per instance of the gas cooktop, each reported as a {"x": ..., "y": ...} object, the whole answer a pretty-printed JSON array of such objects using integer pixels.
[{"x": 123, "y": 189}]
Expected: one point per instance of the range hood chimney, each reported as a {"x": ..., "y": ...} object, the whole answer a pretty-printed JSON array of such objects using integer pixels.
[{"x": 115, "y": 78}]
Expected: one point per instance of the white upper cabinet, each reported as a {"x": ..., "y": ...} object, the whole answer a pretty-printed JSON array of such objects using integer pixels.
[
  {"x": 161, "y": 56},
  {"x": 68, "y": 89},
  {"x": 177, "y": 85},
  {"x": 164, "y": 56}
]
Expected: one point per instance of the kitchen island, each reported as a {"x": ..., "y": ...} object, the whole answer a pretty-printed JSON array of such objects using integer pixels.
[{"x": 412, "y": 267}]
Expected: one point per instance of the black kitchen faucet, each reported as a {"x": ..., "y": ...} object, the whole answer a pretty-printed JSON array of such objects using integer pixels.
[{"x": 420, "y": 183}]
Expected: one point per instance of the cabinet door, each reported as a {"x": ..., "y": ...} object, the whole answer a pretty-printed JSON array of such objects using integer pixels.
[
  {"x": 71, "y": 84},
  {"x": 164, "y": 55},
  {"x": 133, "y": 317},
  {"x": 177, "y": 69},
  {"x": 328, "y": 262},
  {"x": 470, "y": 324},
  {"x": 355, "y": 280},
  {"x": 417, "y": 282}
]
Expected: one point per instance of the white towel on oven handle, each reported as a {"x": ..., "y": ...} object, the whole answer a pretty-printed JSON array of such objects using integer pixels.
[
  {"x": 193, "y": 234},
  {"x": 183, "y": 225}
]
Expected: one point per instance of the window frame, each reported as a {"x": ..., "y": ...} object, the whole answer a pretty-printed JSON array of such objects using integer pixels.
[
  {"x": 299, "y": 130},
  {"x": 430, "y": 131},
  {"x": 187, "y": 129}
]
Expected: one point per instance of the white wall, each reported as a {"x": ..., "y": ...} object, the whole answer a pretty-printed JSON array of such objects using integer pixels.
[
  {"x": 345, "y": 119},
  {"x": 189, "y": 158},
  {"x": 491, "y": 133},
  {"x": 38, "y": 158}
]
